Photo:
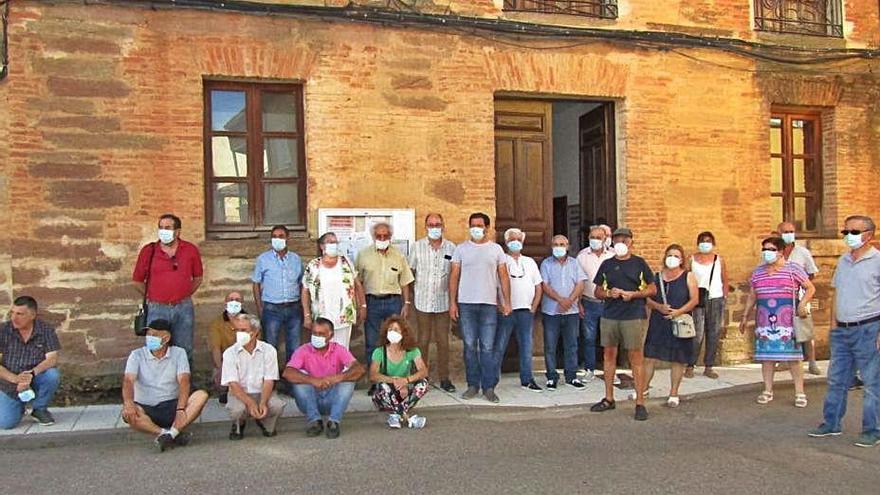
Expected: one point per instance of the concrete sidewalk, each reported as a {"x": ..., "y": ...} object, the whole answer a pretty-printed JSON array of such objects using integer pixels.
[{"x": 513, "y": 397}]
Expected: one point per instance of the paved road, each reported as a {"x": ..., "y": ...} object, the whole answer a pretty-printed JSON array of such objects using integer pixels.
[{"x": 712, "y": 445}]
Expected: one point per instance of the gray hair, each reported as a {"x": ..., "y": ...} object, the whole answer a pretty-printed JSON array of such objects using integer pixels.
[
  {"x": 864, "y": 219},
  {"x": 514, "y": 231},
  {"x": 600, "y": 228},
  {"x": 381, "y": 224},
  {"x": 251, "y": 319},
  {"x": 559, "y": 236}
]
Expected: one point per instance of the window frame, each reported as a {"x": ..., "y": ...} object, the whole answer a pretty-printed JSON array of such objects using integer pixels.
[
  {"x": 608, "y": 8},
  {"x": 788, "y": 114},
  {"x": 766, "y": 15},
  {"x": 254, "y": 138}
]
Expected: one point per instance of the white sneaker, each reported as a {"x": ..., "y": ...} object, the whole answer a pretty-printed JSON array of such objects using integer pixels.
[
  {"x": 673, "y": 401},
  {"x": 589, "y": 375},
  {"x": 581, "y": 372},
  {"x": 394, "y": 420},
  {"x": 417, "y": 422}
]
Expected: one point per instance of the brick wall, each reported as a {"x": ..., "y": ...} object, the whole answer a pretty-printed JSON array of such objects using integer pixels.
[{"x": 105, "y": 133}]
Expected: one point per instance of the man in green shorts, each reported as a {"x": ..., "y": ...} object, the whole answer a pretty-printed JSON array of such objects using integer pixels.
[{"x": 623, "y": 283}]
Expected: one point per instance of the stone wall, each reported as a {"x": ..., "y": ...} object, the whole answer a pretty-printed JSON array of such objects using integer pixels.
[{"x": 105, "y": 133}]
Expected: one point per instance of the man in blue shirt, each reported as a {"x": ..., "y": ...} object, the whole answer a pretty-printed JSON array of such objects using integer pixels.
[{"x": 277, "y": 283}]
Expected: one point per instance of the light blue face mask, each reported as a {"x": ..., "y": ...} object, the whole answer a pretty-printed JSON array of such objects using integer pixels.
[
  {"x": 166, "y": 236},
  {"x": 279, "y": 244},
  {"x": 477, "y": 233},
  {"x": 319, "y": 342},
  {"x": 853, "y": 241},
  {"x": 515, "y": 246},
  {"x": 769, "y": 256},
  {"x": 331, "y": 249},
  {"x": 559, "y": 251},
  {"x": 27, "y": 395},
  {"x": 705, "y": 247},
  {"x": 233, "y": 307},
  {"x": 596, "y": 244},
  {"x": 153, "y": 343},
  {"x": 788, "y": 237},
  {"x": 435, "y": 233}
]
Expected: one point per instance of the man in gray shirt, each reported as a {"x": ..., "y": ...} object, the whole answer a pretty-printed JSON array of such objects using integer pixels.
[
  {"x": 855, "y": 342},
  {"x": 156, "y": 395}
]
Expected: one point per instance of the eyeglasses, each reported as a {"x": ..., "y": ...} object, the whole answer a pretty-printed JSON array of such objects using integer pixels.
[
  {"x": 854, "y": 231},
  {"x": 770, "y": 249}
]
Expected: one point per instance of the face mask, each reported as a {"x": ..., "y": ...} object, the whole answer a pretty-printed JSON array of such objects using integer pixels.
[
  {"x": 788, "y": 237},
  {"x": 166, "y": 236},
  {"x": 559, "y": 251},
  {"x": 705, "y": 247},
  {"x": 673, "y": 261},
  {"x": 318, "y": 342},
  {"x": 621, "y": 249},
  {"x": 153, "y": 343},
  {"x": 233, "y": 307},
  {"x": 769, "y": 256},
  {"x": 514, "y": 246},
  {"x": 477, "y": 233},
  {"x": 27, "y": 395},
  {"x": 596, "y": 244},
  {"x": 394, "y": 336},
  {"x": 331, "y": 249},
  {"x": 242, "y": 338},
  {"x": 608, "y": 243},
  {"x": 382, "y": 245},
  {"x": 279, "y": 244},
  {"x": 435, "y": 233},
  {"x": 854, "y": 241}
]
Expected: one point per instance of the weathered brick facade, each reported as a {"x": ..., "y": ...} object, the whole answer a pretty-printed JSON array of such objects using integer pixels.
[{"x": 101, "y": 131}]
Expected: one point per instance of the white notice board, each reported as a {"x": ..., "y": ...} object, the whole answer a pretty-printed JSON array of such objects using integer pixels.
[{"x": 352, "y": 227}]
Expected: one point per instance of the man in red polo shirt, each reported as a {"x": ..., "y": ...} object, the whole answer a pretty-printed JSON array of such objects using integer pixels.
[{"x": 170, "y": 270}]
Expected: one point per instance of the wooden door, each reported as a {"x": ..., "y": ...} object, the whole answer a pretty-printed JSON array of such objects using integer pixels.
[
  {"x": 523, "y": 172},
  {"x": 598, "y": 170}
]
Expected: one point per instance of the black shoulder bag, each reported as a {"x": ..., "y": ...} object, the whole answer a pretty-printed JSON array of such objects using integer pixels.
[
  {"x": 704, "y": 292},
  {"x": 140, "y": 319}
]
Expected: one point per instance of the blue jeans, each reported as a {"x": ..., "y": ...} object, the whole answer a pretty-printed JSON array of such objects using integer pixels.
[
  {"x": 44, "y": 385},
  {"x": 567, "y": 326},
  {"x": 314, "y": 403},
  {"x": 181, "y": 316},
  {"x": 851, "y": 348},
  {"x": 377, "y": 310},
  {"x": 589, "y": 333},
  {"x": 286, "y": 317},
  {"x": 522, "y": 321},
  {"x": 478, "y": 323}
]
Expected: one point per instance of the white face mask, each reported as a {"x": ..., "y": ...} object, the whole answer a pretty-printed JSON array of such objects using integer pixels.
[
  {"x": 394, "y": 336},
  {"x": 166, "y": 236},
  {"x": 621, "y": 249},
  {"x": 435, "y": 233},
  {"x": 477, "y": 233},
  {"x": 596, "y": 244},
  {"x": 331, "y": 249},
  {"x": 673, "y": 261},
  {"x": 233, "y": 307},
  {"x": 381, "y": 245},
  {"x": 242, "y": 338}
]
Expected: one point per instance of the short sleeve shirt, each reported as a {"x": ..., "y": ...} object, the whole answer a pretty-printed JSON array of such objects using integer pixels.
[
  {"x": 524, "y": 277},
  {"x": 318, "y": 364},
  {"x": 156, "y": 379},
  {"x": 478, "y": 283},
  {"x": 383, "y": 274},
  {"x": 250, "y": 370},
  {"x": 631, "y": 274},
  {"x": 432, "y": 275},
  {"x": 280, "y": 278},
  {"x": 19, "y": 356},
  {"x": 857, "y": 284},
  {"x": 562, "y": 278},
  {"x": 170, "y": 278},
  {"x": 803, "y": 257},
  {"x": 399, "y": 369}
]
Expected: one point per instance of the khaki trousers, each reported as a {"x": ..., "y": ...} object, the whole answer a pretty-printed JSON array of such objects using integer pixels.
[
  {"x": 434, "y": 327},
  {"x": 238, "y": 411}
]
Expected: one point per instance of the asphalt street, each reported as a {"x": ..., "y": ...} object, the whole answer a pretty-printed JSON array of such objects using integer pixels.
[{"x": 711, "y": 445}]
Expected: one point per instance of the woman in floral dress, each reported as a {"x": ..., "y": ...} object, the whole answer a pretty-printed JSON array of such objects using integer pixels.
[
  {"x": 775, "y": 286},
  {"x": 332, "y": 290}
]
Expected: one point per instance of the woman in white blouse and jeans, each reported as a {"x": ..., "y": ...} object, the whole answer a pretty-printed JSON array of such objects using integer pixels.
[{"x": 711, "y": 273}]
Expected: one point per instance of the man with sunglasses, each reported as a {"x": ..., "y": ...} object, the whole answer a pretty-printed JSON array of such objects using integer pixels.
[
  {"x": 170, "y": 270},
  {"x": 855, "y": 341}
]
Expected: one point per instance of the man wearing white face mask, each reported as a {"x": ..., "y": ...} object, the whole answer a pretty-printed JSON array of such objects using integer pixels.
[
  {"x": 170, "y": 271},
  {"x": 277, "y": 285},
  {"x": 590, "y": 258},
  {"x": 221, "y": 336},
  {"x": 855, "y": 340},
  {"x": 250, "y": 370}
]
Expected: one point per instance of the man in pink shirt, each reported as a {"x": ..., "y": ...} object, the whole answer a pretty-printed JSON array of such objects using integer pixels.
[{"x": 323, "y": 374}]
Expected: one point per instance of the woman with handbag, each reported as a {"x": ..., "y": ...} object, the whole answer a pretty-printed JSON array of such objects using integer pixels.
[
  {"x": 711, "y": 272},
  {"x": 671, "y": 327},
  {"x": 774, "y": 291},
  {"x": 400, "y": 374}
]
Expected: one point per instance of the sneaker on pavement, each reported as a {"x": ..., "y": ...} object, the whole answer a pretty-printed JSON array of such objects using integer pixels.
[
  {"x": 813, "y": 368},
  {"x": 393, "y": 421},
  {"x": 43, "y": 417},
  {"x": 823, "y": 431},
  {"x": 581, "y": 372},
  {"x": 871, "y": 439},
  {"x": 237, "y": 432},
  {"x": 532, "y": 387},
  {"x": 333, "y": 430},
  {"x": 857, "y": 384},
  {"x": 315, "y": 428},
  {"x": 490, "y": 396},
  {"x": 417, "y": 422},
  {"x": 183, "y": 438},
  {"x": 589, "y": 375},
  {"x": 447, "y": 386},
  {"x": 576, "y": 383},
  {"x": 551, "y": 385},
  {"x": 603, "y": 405},
  {"x": 641, "y": 413},
  {"x": 164, "y": 442},
  {"x": 470, "y": 393}
]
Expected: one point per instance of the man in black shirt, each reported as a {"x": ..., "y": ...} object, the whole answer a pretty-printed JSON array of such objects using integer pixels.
[{"x": 624, "y": 282}]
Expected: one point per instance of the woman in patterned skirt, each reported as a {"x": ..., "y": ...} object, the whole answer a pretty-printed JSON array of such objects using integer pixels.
[{"x": 774, "y": 290}]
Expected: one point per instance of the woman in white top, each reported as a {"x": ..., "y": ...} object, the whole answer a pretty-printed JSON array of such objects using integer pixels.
[{"x": 711, "y": 273}]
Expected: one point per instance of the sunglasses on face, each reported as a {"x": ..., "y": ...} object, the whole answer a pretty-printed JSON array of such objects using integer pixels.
[
  {"x": 853, "y": 231},
  {"x": 770, "y": 249}
]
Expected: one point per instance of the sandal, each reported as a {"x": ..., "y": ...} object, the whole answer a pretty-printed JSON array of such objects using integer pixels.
[
  {"x": 673, "y": 401},
  {"x": 603, "y": 405},
  {"x": 765, "y": 397},
  {"x": 800, "y": 400}
]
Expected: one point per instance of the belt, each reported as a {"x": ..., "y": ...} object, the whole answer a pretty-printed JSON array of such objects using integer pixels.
[
  {"x": 286, "y": 303},
  {"x": 383, "y": 296},
  {"x": 171, "y": 303},
  {"x": 845, "y": 324},
  {"x": 592, "y": 299}
]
